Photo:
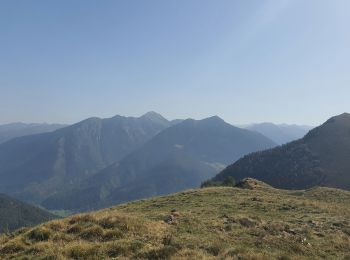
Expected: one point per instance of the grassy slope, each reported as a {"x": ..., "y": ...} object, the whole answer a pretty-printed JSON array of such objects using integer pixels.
[{"x": 262, "y": 223}]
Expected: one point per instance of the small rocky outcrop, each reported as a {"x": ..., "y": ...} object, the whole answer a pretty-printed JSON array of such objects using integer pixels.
[{"x": 252, "y": 184}]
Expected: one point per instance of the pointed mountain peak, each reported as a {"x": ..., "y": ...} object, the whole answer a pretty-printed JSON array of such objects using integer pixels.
[{"x": 154, "y": 116}]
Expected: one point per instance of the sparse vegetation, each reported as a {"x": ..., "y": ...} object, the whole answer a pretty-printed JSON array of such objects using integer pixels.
[
  {"x": 254, "y": 221},
  {"x": 227, "y": 182}
]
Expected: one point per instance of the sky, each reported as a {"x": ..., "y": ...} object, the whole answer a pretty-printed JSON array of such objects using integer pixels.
[{"x": 282, "y": 61}]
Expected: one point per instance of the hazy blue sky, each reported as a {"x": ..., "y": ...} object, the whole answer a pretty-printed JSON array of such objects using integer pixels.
[{"x": 246, "y": 61}]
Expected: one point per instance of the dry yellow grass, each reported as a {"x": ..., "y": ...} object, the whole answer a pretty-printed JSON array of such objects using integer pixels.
[{"x": 225, "y": 223}]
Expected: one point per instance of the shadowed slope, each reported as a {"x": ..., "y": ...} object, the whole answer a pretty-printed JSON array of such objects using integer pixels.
[
  {"x": 320, "y": 158},
  {"x": 15, "y": 214},
  {"x": 178, "y": 158},
  {"x": 32, "y": 167}
]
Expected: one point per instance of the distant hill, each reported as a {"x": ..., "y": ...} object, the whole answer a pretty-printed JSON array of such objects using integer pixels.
[
  {"x": 33, "y": 167},
  {"x": 320, "y": 158},
  {"x": 280, "y": 133},
  {"x": 178, "y": 158},
  {"x": 253, "y": 222},
  {"x": 15, "y": 214},
  {"x": 13, "y": 130}
]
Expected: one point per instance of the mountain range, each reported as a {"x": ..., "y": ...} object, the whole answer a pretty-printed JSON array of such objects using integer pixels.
[
  {"x": 13, "y": 130},
  {"x": 321, "y": 158},
  {"x": 280, "y": 133},
  {"x": 178, "y": 158},
  {"x": 99, "y": 162},
  {"x": 36, "y": 166},
  {"x": 16, "y": 214}
]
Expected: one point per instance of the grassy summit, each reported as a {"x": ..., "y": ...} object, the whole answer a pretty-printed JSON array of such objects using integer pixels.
[{"x": 255, "y": 221}]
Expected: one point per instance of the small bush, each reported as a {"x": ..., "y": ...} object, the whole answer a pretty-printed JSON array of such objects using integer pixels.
[
  {"x": 227, "y": 182},
  {"x": 92, "y": 233},
  {"x": 40, "y": 234},
  {"x": 75, "y": 229},
  {"x": 215, "y": 249},
  {"x": 111, "y": 222},
  {"x": 210, "y": 183}
]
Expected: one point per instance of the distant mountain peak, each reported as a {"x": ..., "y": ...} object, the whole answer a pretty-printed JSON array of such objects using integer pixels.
[
  {"x": 214, "y": 119},
  {"x": 280, "y": 133},
  {"x": 153, "y": 115},
  {"x": 341, "y": 117}
]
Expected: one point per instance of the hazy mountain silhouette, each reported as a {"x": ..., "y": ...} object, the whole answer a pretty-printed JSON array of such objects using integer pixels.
[
  {"x": 13, "y": 130},
  {"x": 320, "y": 158},
  {"x": 280, "y": 133},
  {"x": 32, "y": 167},
  {"x": 178, "y": 158},
  {"x": 15, "y": 214}
]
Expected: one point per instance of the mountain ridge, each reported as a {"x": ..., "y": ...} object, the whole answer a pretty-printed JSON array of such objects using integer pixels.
[
  {"x": 18, "y": 129},
  {"x": 320, "y": 158},
  {"x": 15, "y": 214},
  {"x": 186, "y": 154},
  {"x": 33, "y": 166},
  {"x": 280, "y": 133}
]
